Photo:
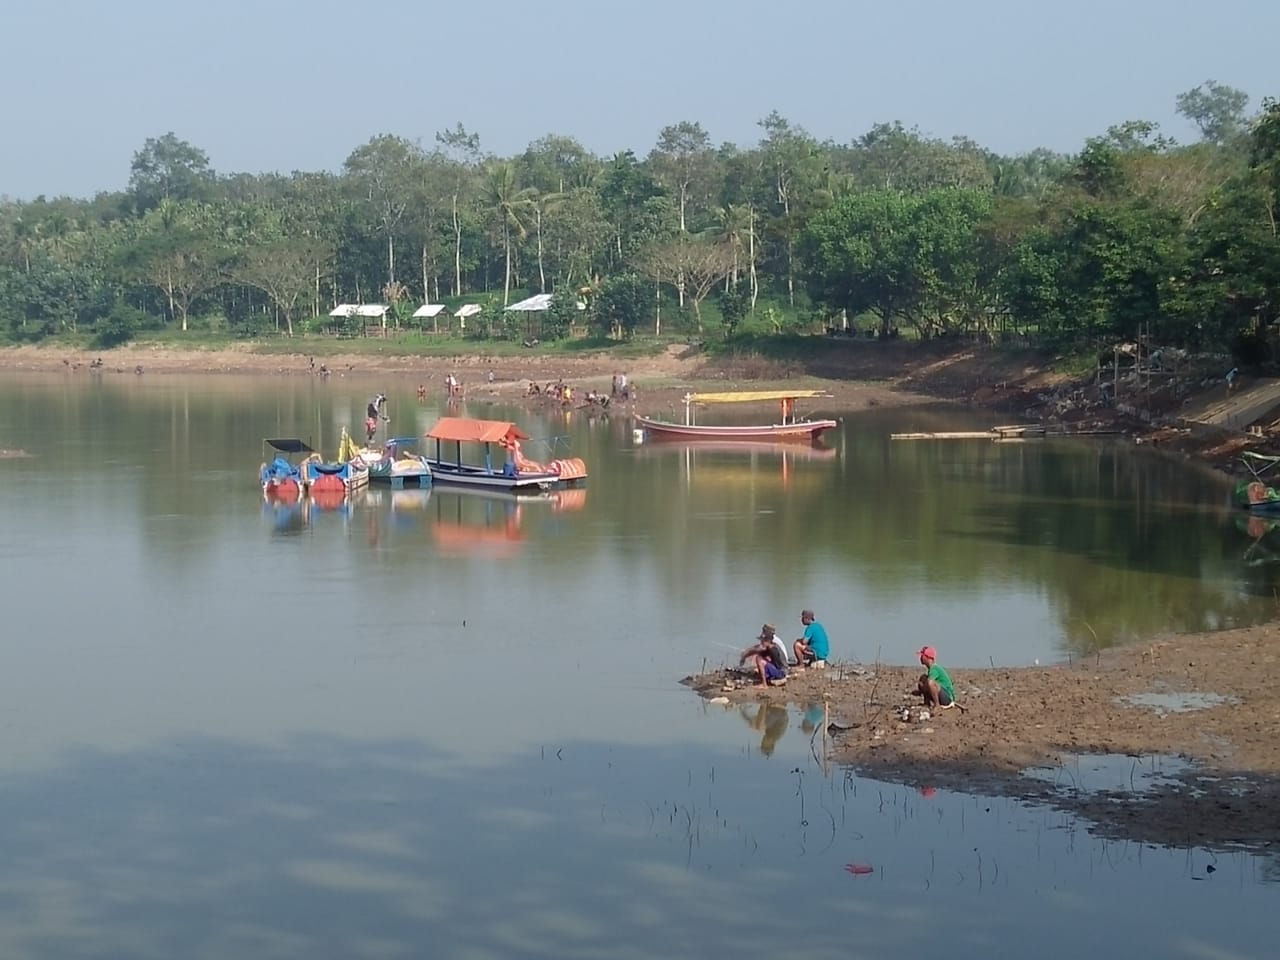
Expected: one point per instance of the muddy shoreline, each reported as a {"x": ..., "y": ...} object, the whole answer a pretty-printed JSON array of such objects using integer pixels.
[{"x": 1206, "y": 698}]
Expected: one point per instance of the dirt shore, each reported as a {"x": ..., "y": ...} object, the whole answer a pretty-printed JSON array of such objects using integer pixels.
[
  {"x": 1207, "y": 698},
  {"x": 1126, "y": 701}
]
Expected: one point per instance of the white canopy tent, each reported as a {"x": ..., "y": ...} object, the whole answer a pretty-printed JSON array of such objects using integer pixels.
[
  {"x": 539, "y": 301},
  {"x": 370, "y": 311},
  {"x": 467, "y": 310}
]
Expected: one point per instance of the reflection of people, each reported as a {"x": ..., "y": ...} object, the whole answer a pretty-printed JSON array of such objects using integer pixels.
[
  {"x": 373, "y": 413},
  {"x": 769, "y": 661},
  {"x": 771, "y": 720},
  {"x": 812, "y": 717},
  {"x": 935, "y": 686},
  {"x": 813, "y": 647}
]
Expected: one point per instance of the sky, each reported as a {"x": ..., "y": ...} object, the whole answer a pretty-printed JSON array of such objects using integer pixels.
[{"x": 284, "y": 85}]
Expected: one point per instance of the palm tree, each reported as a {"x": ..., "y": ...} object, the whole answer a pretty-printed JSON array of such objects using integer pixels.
[{"x": 510, "y": 205}]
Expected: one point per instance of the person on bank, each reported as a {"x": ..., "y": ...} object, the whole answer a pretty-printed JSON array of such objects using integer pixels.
[
  {"x": 813, "y": 647},
  {"x": 767, "y": 656},
  {"x": 935, "y": 686}
]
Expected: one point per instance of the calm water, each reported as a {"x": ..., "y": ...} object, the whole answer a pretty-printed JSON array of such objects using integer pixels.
[{"x": 433, "y": 723}]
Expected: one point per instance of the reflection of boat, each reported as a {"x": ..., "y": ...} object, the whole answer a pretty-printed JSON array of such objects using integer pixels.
[
  {"x": 281, "y": 477},
  {"x": 790, "y": 428},
  {"x": 469, "y": 521},
  {"x": 738, "y": 448},
  {"x": 337, "y": 478},
  {"x": 1260, "y": 528},
  {"x": 1256, "y": 495},
  {"x": 515, "y": 475},
  {"x": 396, "y": 464}
]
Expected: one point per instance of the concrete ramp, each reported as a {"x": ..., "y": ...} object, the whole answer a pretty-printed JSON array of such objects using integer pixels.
[{"x": 1256, "y": 399}]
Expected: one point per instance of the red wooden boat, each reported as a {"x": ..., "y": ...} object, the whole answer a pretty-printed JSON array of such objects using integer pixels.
[{"x": 790, "y": 428}]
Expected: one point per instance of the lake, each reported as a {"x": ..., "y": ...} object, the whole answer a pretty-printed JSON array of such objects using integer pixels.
[{"x": 434, "y": 723}]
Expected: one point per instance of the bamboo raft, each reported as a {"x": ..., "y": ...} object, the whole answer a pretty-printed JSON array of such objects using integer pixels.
[{"x": 1009, "y": 434}]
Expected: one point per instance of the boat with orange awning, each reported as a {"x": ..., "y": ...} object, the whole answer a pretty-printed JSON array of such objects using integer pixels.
[{"x": 514, "y": 473}]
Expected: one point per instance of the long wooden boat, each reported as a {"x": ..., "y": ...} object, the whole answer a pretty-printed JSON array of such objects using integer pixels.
[
  {"x": 515, "y": 473},
  {"x": 790, "y": 428}
]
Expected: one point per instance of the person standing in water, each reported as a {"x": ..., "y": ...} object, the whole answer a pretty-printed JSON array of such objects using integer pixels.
[{"x": 374, "y": 413}]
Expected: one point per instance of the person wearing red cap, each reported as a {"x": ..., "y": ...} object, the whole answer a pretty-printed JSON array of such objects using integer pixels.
[{"x": 935, "y": 686}]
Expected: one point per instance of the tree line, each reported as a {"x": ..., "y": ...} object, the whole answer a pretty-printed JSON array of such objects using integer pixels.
[{"x": 894, "y": 230}]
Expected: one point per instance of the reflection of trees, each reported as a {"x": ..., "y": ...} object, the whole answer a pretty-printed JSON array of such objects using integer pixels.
[{"x": 1122, "y": 543}]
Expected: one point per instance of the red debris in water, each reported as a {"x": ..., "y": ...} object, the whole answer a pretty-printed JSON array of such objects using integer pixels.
[{"x": 858, "y": 869}]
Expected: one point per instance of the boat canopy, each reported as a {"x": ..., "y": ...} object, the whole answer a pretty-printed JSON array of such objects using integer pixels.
[
  {"x": 466, "y": 430},
  {"x": 743, "y": 396},
  {"x": 289, "y": 445}
]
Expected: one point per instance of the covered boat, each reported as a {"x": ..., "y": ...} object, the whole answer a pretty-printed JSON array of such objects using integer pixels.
[
  {"x": 790, "y": 426},
  {"x": 514, "y": 474},
  {"x": 339, "y": 477},
  {"x": 281, "y": 477}
]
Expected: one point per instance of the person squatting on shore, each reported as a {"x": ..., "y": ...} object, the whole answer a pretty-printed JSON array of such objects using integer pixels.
[
  {"x": 813, "y": 647},
  {"x": 768, "y": 656},
  {"x": 935, "y": 686}
]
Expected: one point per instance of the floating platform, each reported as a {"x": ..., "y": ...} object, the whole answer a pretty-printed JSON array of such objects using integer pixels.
[{"x": 1007, "y": 433}]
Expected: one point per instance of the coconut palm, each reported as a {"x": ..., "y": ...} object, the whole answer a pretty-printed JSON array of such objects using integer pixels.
[{"x": 510, "y": 205}]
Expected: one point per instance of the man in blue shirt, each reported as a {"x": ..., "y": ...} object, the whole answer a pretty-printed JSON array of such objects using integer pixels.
[{"x": 813, "y": 647}]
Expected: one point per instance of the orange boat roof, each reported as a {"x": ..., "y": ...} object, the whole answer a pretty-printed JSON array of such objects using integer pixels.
[{"x": 466, "y": 430}]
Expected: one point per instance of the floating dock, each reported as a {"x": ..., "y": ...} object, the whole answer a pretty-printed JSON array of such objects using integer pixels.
[{"x": 1010, "y": 432}]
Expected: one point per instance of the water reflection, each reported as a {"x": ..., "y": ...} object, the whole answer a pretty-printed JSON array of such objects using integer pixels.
[
  {"x": 770, "y": 720},
  {"x": 325, "y": 846}
]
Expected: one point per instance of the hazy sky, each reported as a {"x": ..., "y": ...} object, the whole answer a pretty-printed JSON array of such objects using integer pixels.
[{"x": 284, "y": 85}]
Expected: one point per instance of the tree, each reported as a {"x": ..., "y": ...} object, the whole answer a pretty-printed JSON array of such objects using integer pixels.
[
  {"x": 176, "y": 255},
  {"x": 462, "y": 152},
  {"x": 510, "y": 205},
  {"x": 734, "y": 303},
  {"x": 621, "y": 304},
  {"x": 682, "y": 160},
  {"x": 168, "y": 168},
  {"x": 697, "y": 264},
  {"x": 1216, "y": 109},
  {"x": 383, "y": 171},
  {"x": 625, "y": 190},
  {"x": 281, "y": 269}
]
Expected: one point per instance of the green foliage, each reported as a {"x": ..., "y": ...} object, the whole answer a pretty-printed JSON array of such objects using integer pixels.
[
  {"x": 119, "y": 327},
  {"x": 894, "y": 227},
  {"x": 623, "y": 304},
  {"x": 734, "y": 304},
  {"x": 560, "y": 317}
]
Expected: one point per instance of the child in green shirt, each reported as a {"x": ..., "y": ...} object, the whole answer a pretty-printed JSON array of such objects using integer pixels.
[{"x": 935, "y": 686}]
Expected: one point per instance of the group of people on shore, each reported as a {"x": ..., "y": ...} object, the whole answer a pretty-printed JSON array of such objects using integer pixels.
[{"x": 770, "y": 659}]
